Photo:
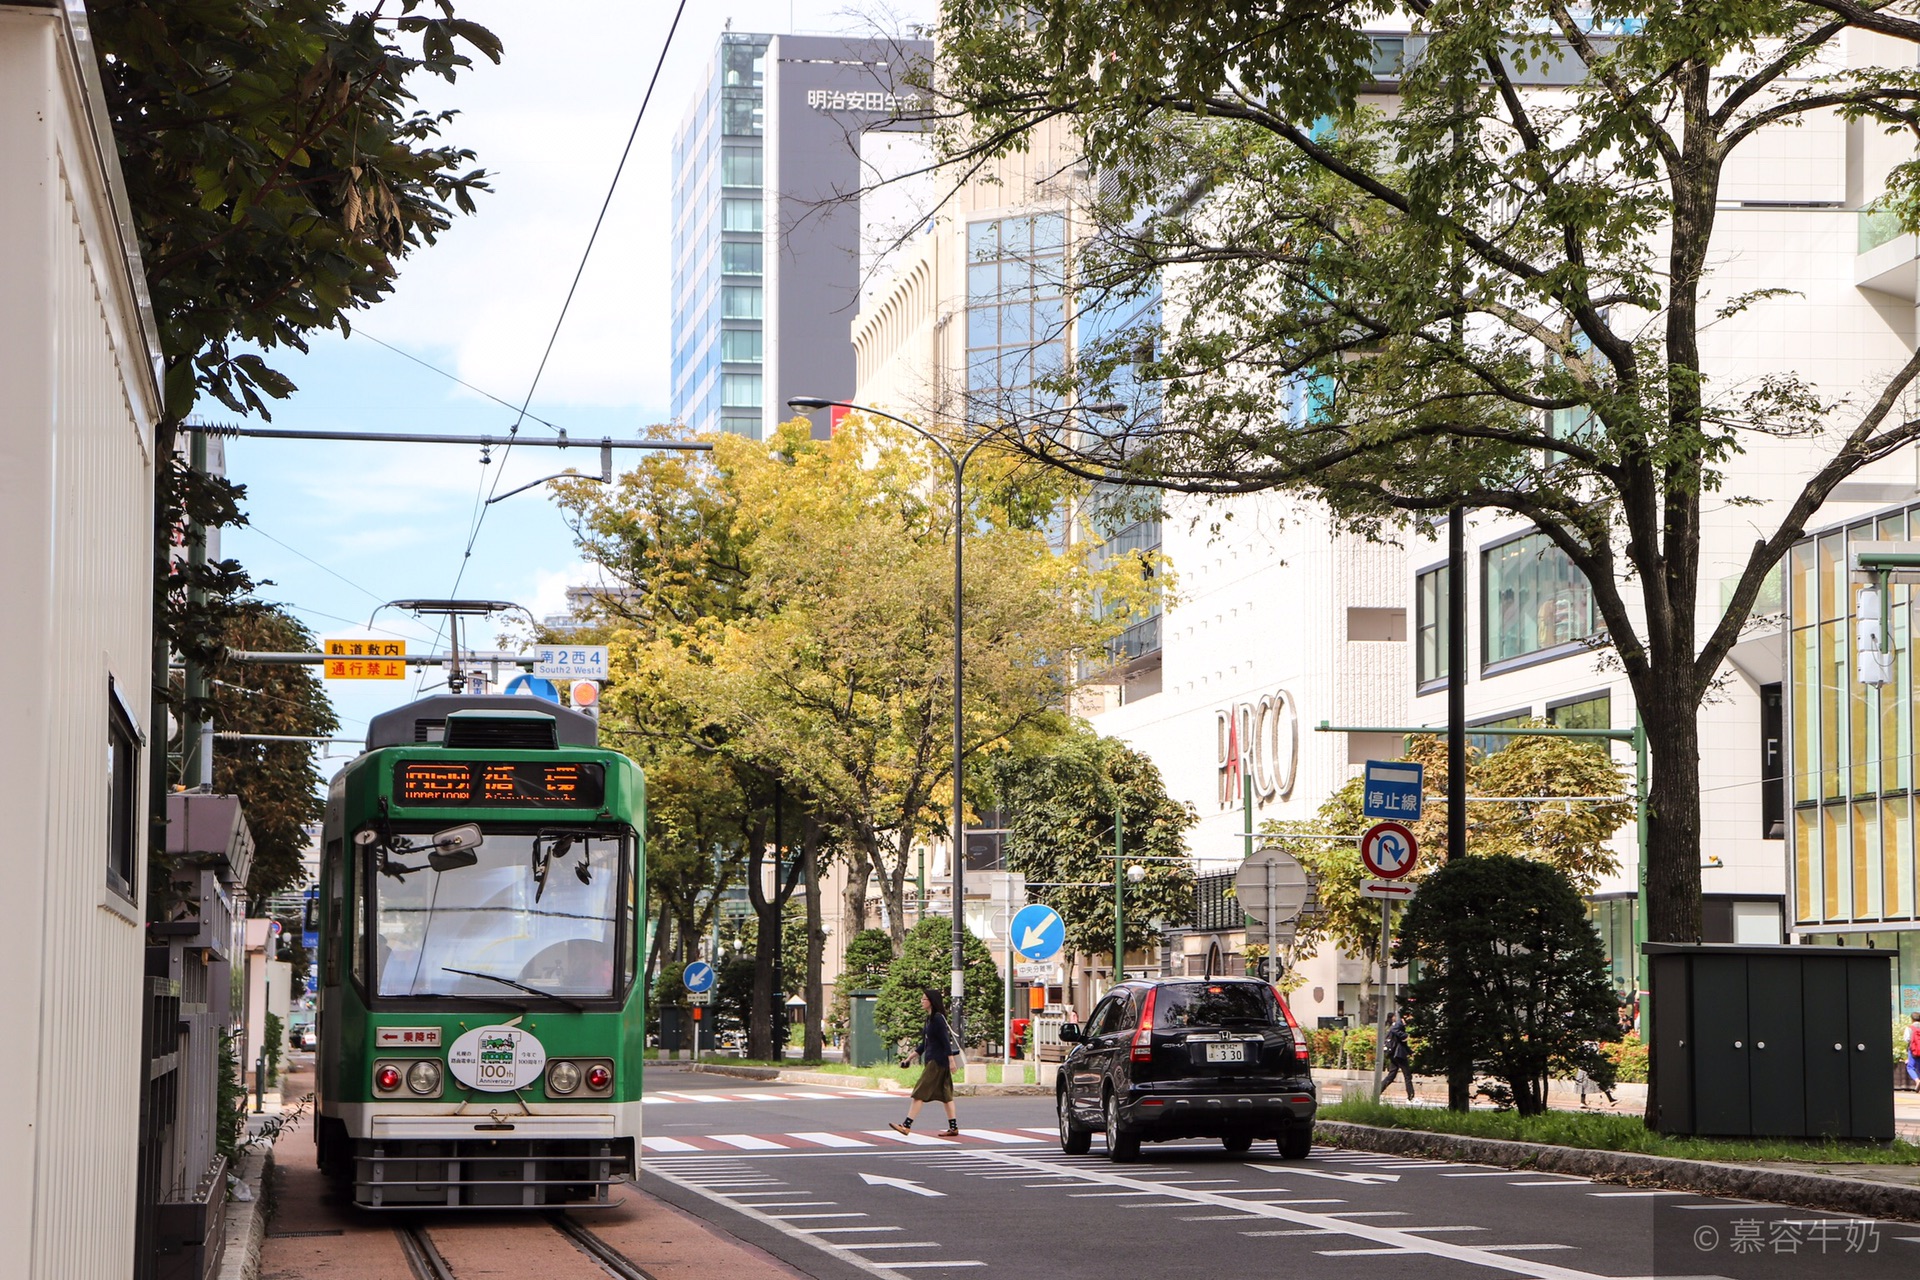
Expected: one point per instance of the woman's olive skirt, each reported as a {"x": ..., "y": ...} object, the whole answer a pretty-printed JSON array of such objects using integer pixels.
[{"x": 935, "y": 1083}]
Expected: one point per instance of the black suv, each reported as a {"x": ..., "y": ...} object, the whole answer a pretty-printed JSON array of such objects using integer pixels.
[{"x": 1186, "y": 1058}]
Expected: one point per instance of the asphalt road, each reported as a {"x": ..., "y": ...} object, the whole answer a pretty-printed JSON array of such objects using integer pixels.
[{"x": 814, "y": 1177}]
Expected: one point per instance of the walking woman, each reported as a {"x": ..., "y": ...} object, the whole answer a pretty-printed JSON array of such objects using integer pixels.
[{"x": 936, "y": 1052}]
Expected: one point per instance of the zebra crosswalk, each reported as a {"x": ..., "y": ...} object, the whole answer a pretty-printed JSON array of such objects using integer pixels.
[
  {"x": 665, "y": 1097},
  {"x": 837, "y": 1141}
]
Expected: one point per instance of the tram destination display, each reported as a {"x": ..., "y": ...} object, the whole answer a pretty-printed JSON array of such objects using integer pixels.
[{"x": 508, "y": 783}]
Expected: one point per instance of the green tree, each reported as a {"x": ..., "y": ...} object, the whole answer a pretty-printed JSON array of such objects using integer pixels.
[
  {"x": 1571, "y": 837},
  {"x": 1478, "y": 293},
  {"x": 926, "y": 960},
  {"x": 277, "y": 173},
  {"x": 278, "y": 783},
  {"x": 864, "y": 967},
  {"x": 1060, "y": 809},
  {"x": 1511, "y": 977}
]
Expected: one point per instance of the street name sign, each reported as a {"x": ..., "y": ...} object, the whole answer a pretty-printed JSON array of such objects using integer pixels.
[
  {"x": 1388, "y": 890},
  {"x": 1388, "y": 850},
  {"x": 1037, "y": 932},
  {"x": 1275, "y": 868},
  {"x": 1392, "y": 790},
  {"x": 698, "y": 976},
  {"x": 699, "y": 998},
  {"x": 570, "y": 662},
  {"x": 1039, "y": 971}
]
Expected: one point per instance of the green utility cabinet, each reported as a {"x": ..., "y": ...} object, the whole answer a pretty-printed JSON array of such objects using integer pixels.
[
  {"x": 864, "y": 1048},
  {"x": 1771, "y": 1041}
]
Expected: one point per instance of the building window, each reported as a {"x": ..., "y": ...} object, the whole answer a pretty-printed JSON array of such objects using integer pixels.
[
  {"x": 740, "y": 302},
  {"x": 1488, "y": 743},
  {"x": 1773, "y": 781},
  {"x": 740, "y": 390},
  {"x": 1532, "y": 599},
  {"x": 740, "y": 346},
  {"x": 741, "y": 166},
  {"x": 123, "y": 796},
  {"x": 748, "y": 427},
  {"x": 1016, "y": 314},
  {"x": 741, "y": 257},
  {"x": 741, "y": 117},
  {"x": 1595, "y": 712},
  {"x": 740, "y": 213},
  {"x": 1430, "y": 625}
]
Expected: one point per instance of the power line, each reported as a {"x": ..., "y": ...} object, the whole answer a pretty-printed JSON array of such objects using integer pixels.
[
  {"x": 480, "y": 518},
  {"x": 451, "y": 377},
  {"x": 310, "y": 560}
]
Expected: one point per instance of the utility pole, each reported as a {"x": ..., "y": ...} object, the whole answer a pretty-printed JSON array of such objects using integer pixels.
[{"x": 196, "y": 736}]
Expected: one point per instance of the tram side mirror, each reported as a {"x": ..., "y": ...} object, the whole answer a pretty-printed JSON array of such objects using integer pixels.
[
  {"x": 365, "y": 836},
  {"x": 454, "y": 847}
]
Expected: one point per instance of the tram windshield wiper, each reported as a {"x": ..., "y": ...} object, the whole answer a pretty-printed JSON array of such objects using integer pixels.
[{"x": 514, "y": 982}]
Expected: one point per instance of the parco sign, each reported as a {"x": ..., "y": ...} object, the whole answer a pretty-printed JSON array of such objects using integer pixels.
[{"x": 1258, "y": 746}]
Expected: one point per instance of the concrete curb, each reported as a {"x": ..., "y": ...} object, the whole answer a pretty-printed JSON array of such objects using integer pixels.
[
  {"x": 1743, "y": 1182},
  {"x": 246, "y": 1224},
  {"x": 879, "y": 1084}
]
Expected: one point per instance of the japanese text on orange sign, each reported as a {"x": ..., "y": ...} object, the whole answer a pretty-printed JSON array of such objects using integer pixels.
[
  {"x": 364, "y": 669},
  {"x": 364, "y": 659}
]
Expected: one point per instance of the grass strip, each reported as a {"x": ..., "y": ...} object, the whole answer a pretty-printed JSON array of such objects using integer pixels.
[{"x": 1608, "y": 1132}]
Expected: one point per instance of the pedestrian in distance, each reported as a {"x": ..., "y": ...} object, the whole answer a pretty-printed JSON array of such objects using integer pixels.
[
  {"x": 1399, "y": 1054},
  {"x": 937, "y": 1053},
  {"x": 1586, "y": 1083},
  {"x": 1913, "y": 1049}
]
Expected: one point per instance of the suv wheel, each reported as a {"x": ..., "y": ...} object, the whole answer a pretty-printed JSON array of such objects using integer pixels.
[
  {"x": 1238, "y": 1142},
  {"x": 1122, "y": 1145},
  {"x": 1075, "y": 1138},
  {"x": 1298, "y": 1142}
]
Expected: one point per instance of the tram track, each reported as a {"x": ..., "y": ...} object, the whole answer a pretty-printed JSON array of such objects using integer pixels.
[{"x": 427, "y": 1263}]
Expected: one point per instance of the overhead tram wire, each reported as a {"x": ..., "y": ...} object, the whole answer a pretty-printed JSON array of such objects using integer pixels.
[
  {"x": 574, "y": 287},
  {"x": 480, "y": 517},
  {"x": 430, "y": 367}
]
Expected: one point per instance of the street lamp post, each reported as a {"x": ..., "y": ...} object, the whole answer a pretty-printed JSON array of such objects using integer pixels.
[{"x": 958, "y": 462}]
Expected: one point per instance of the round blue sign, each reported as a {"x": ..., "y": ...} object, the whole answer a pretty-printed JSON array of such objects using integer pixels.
[
  {"x": 698, "y": 976},
  {"x": 1038, "y": 932}
]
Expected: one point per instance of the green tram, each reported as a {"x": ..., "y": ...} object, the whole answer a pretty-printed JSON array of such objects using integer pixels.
[{"x": 481, "y": 1022}]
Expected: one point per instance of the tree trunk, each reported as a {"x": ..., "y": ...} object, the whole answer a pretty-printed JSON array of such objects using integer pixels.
[
  {"x": 813, "y": 1049},
  {"x": 854, "y": 896}
]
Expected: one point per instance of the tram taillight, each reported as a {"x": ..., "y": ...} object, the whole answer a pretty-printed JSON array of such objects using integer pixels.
[
  {"x": 387, "y": 1078},
  {"x": 598, "y": 1077}
]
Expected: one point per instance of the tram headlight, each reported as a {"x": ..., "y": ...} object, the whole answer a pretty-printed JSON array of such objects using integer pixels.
[
  {"x": 424, "y": 1077},
  {"x": 563, "y": 1077},
  {"x": 387, "y": 1078},
  {"x": 599, "y": 1078}
]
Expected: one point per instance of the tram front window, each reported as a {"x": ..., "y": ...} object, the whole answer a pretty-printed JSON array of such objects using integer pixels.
[{"x": 535, "y": 913}]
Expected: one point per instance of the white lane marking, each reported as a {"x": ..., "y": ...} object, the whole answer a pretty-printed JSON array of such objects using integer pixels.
[
  {"x": 828, "y": 1231},
  {"x": 995, "y": 1135},
  {"x": 1196, "y": 1182},
  {"x": 901, "y": 1266},
  {"x": 1108, "y": 1195},
  {"x": 688, "y": 1097},
  {"x": 1516, "y": 1248},
  {"x": 797, "y": 1217},
  {"x": 651, "y": 1143},
  {"x": 1442, "y": 1228},
  {"x": 1556, "y": 1182},
  {"x": 1344, "y": 1214},
  {"x": 745, "y": 1141},
  {"x": 891, "y": 1244},
  {"x": 831, "y": 1139},
  {"x": 901, "y": 1184},
  {"x": 789, "y": 1204},
  {"x": 1355, "y": 1253},
  {"x": 1297, "y": 1231},
  {"x": 1621, "y": 1195},
  {"x": 1721, "y": 1204},
  {"x": 1403, "y": 1241},
  {"x": 1051, "y": 1133},
  {"x": 910, "y": 1138},
  {"x": 1497, "y": 1173}
]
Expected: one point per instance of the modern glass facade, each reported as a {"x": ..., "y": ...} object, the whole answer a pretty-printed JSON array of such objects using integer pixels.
[
  {"x": 1016, "y": 309},
  {"x": 1849, "y": 746},
  {"x": 1532, "y": 600},
  {"x": 719, "y": 221}
]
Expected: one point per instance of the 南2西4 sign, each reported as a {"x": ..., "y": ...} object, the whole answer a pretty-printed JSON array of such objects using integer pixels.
[{"x": 570, "y": 662}]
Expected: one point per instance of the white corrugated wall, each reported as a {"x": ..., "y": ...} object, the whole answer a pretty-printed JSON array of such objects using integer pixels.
[{"x": 75, "y": 504}]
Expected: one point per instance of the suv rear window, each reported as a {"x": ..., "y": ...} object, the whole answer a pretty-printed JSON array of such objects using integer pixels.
[{"x": 1214, "y": 1004}]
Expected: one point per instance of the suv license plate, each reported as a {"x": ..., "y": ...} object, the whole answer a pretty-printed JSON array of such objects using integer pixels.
[{"x": 1226, "y": 1053}]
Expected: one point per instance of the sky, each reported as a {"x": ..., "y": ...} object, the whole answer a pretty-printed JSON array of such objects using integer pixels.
[{"x": 340, "y": 527}]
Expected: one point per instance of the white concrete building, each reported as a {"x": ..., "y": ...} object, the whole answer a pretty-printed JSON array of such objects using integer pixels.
[{"x": 78, "y": 400}]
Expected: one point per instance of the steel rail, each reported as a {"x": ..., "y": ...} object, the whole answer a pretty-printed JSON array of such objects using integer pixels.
[
  {"x": 424, "y": 1260},
  {"x": 616, "y": 1263}
]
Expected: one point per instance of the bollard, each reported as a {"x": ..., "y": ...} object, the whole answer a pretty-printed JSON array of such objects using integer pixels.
[{"x": 260, "y": 1082}]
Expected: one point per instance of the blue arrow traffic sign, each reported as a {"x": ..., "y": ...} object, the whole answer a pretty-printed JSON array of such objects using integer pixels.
[
  {"x": 1038, "y": 932},
  {"x": 698, "y": 977}
]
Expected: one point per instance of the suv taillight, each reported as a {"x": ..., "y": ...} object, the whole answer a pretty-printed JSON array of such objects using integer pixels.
[
  {"x": 1299, "y": 1041},
  {"x": 1143, "y": 1033}
]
